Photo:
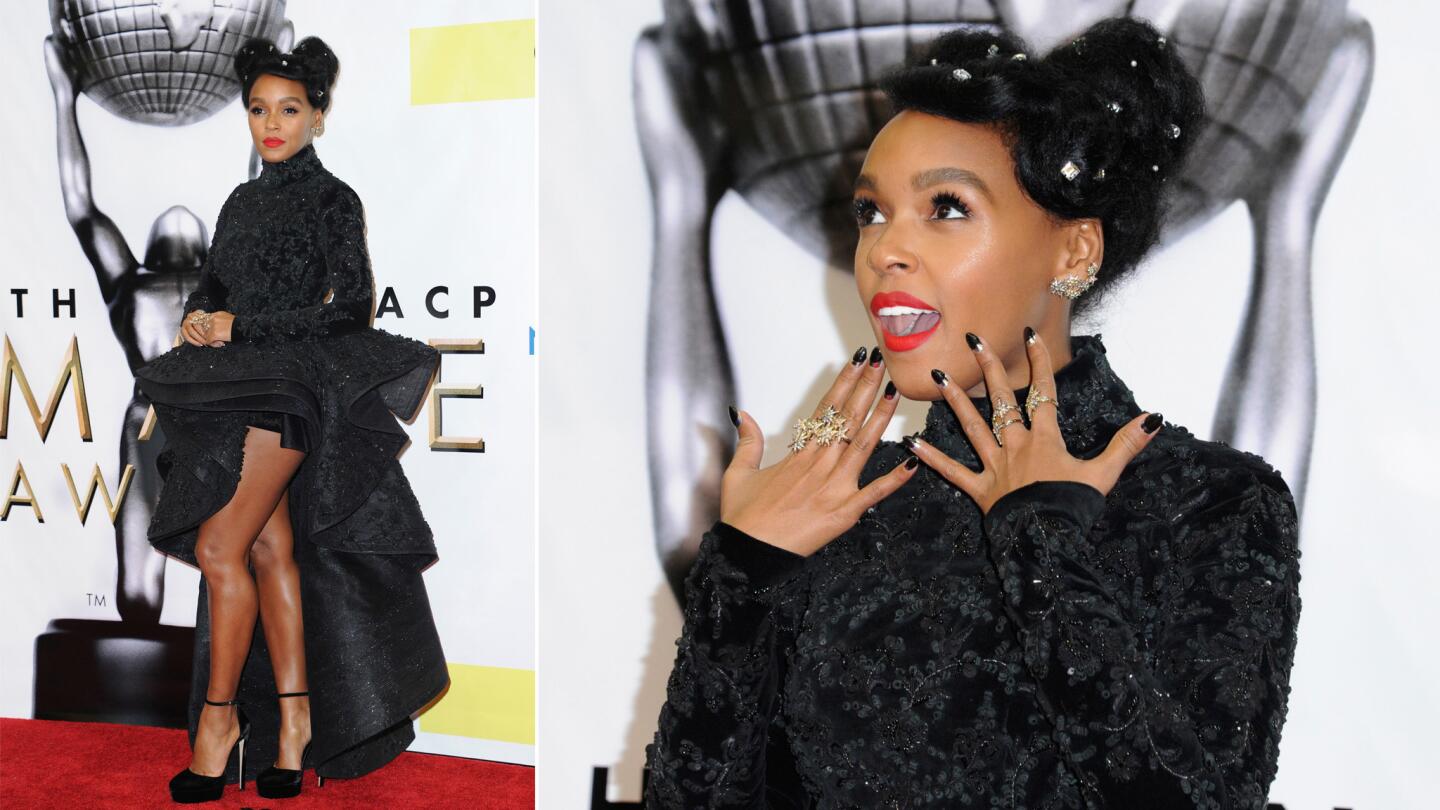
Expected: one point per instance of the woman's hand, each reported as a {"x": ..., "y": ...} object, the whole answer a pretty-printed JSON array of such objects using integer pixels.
[
  {"x": 812, "y": 496},
  {"x": 217, "y": 335},
  {"x": 1026, "y": 456}
]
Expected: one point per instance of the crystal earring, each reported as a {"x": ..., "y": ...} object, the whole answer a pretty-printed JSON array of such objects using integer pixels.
[{"x": 1070, "y": 287}]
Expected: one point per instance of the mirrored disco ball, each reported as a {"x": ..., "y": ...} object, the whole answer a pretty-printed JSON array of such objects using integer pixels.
[
  {"x": 167, "y": 62},
  {"x": 794, "y": 84}
]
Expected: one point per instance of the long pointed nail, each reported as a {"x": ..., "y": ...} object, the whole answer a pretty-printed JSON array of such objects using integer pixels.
[
  {"x": 890, "y": 389},
  {"x": 1152, "y": 423},
  {"x": 859, "y": 356},
  {"x": 973, "y": 340},
  {"x": 1029, "y": 335},
  {"x": 909, "y": 442},
  {"x": 912, "y": 462},
  {"x": 734, "y": 416},
  {"x": 939, "y": 377},
  {"x": 875, "y": 356}
]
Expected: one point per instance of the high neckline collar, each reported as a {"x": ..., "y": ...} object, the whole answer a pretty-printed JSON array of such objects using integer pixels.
[
  {"x": 298, "y": 166},
  {"x": 1093, "y": 404}
]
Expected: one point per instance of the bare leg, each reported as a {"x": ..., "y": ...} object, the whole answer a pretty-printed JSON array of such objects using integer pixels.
[
  {"x": 281, "y": 619},
  {"x": 222, "y": 549}
]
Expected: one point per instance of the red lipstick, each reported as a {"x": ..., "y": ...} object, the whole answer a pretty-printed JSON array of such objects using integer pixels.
[
  {"x": 273, "y": 142},
  {"x": 905, "y": 321}
]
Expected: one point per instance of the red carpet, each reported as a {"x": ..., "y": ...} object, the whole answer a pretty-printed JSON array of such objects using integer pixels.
[{"x": 50, "y": 764}]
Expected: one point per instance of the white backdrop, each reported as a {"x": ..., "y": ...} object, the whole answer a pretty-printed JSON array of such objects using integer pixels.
[
  {"x": 1365, "y": 700},
  {"x": 448, "y": 190}
]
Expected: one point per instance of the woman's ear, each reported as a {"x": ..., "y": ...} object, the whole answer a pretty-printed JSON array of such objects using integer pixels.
[{"x": 1084, "y": 244}]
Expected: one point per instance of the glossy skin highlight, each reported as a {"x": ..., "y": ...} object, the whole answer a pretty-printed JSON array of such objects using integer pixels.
[{"x": 941, "y": 216}]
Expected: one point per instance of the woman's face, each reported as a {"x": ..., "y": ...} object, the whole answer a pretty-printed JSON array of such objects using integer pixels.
[
  {"x": 950, "y": 243},
  {"x": 280, "y": 116}
]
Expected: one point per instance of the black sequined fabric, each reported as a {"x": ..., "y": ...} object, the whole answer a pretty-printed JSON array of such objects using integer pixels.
[
  {"x": 289, "y": 261},
  {"x": 1067, "y": 649}
]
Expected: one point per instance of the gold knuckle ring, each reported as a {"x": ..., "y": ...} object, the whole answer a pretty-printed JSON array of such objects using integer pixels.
[
  {"x": 1007, "y": 423},
  {"x": 1035, "y": 399}
]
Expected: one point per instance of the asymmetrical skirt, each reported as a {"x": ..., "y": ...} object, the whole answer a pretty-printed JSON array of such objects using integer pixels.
[{"x": 373, "y": 657}]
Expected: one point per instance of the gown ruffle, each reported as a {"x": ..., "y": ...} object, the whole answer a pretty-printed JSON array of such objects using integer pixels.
[{"x": 373, "y": 656}]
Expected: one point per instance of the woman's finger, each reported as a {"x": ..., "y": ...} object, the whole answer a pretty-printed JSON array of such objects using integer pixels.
[
  {"x": 751, "y": 446},
  {"x": 865, "y": 440},
  {"x": 862, "y": 396},
  {"x": 974, "y": 425},
  {"x": 844, "y": 383},
  {"x": 951, "y": 470},
  {"x": 997, "y": 387},
  {"x": 191, "y": 335},
  {"x": 1045, "y": 421},
  {"x": 1125, "y": 445},
  {"x": 882, "y": 487}
]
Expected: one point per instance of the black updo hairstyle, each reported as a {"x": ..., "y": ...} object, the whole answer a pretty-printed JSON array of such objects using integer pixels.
[
  {"x": 311, "y": 63},
  {"x": 1062, "y": 108}
]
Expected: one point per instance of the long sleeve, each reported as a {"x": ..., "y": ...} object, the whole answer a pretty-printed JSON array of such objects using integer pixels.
[
  {"x": 348, "y": 274},
  {"x": 1164, "y": 668},
  {"x": 742, "y": 605},
  {"x": 209, "y": 293}
]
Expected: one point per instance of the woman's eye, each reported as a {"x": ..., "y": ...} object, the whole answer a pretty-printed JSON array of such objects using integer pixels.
[
  {"x": 948, "y": 206},
  {"x": 256, "y": 111},
  {"x": 867, "y": 213},
  {"x": 291, "y": 110}
]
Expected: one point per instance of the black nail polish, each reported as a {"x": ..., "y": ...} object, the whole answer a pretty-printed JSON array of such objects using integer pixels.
[
  {"x": 875, "y": 356},
  {"x": 734, "y": 415},
  {"x": 859, "y": 356},
  {"x": 1151, "y": 423},
  {"x": 939, "y": 377},
  {"x": 912, "y": 462},
  {"x": 1029, "y": 335},
  {"x": 973, "y": 340},
  {"x": 890, "y": 390},
  {"x": 909, "y": 442}
]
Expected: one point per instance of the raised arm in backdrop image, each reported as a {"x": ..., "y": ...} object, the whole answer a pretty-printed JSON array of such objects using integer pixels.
[
  {"x": 283, "y": 443},
  {"x": 989, "y": 558}
]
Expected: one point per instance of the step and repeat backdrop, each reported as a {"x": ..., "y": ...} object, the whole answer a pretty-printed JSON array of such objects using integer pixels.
[
  {"x": 117, "y": 159},
  {"x": 689, "y": 147}
]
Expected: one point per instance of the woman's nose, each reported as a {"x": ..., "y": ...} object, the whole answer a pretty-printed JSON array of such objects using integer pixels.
[{"x": 891, "y": 252}]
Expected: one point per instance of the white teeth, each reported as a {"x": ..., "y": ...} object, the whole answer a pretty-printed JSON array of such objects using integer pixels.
[{"x": 900, "y": 310}]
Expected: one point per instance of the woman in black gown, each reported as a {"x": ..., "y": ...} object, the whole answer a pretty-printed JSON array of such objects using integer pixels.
[
  {"x": 279, "y": 415},
  {"x": 1062, "y": 607}
]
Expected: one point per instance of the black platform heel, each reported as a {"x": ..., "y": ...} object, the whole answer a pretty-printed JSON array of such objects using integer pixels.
[
  {"x": 284, "y": 783},
  {"x": 188, "y": 787}
]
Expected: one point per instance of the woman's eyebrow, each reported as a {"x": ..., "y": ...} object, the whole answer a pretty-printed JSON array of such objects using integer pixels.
[
  {"x": 950, "y": 174},
  {"x": 933, "y": 177}
]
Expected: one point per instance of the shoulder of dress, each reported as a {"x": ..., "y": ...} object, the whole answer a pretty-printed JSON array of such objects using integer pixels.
[{"x": 1213, "y": 481}]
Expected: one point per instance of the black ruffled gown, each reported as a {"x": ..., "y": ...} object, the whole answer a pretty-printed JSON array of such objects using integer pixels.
[
  {"x": 332, "y": 385},
  {"x": 1066, "y": 649}
]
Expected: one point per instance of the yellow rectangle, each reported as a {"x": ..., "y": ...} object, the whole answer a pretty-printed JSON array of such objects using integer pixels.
[
  {"x": 488, "y": 703},
  {"x": 472, "y": 62}
]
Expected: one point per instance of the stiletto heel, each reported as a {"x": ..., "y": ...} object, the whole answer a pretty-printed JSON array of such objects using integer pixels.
[
  {"x": 188, "y": 787},
  {"x": 285, "y": 783}
]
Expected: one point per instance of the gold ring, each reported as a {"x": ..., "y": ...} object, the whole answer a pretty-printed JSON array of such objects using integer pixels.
[
  {"x": 1034, "y": 401},
  {"x": 1007, "y": 423}
]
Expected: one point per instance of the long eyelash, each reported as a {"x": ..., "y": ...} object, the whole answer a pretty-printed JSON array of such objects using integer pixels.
[
  {"x": 946, "y": 198},
  {"x": 862, "y": 206}
]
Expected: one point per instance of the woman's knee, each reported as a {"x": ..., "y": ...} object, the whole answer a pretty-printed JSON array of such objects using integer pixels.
[
  {"x": 219, "y": 558},
  {"x": 271, "y": 551}
]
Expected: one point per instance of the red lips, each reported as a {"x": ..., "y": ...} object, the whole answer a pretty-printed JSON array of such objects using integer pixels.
[
  {"x": 897, "y": 298},
  {"x": 273, "y": 142}
]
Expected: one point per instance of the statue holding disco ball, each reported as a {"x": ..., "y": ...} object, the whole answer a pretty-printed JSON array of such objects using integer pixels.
[
  {"x": 164, "y": 63},
  {"x": 780, "y": 106}
]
